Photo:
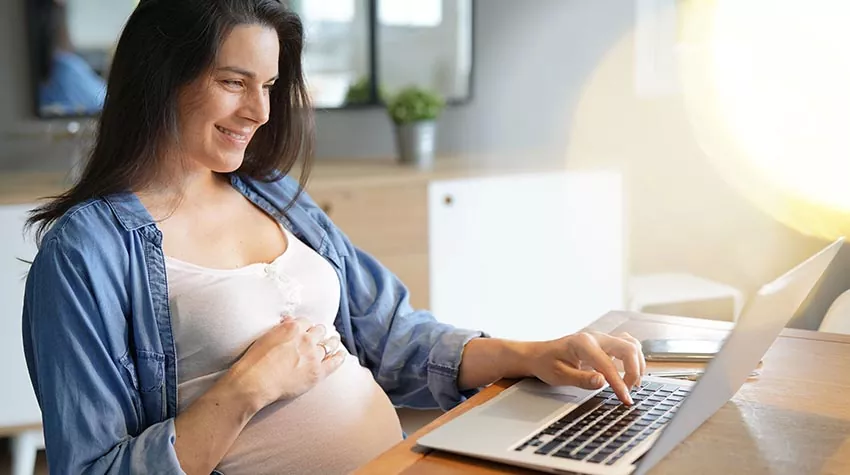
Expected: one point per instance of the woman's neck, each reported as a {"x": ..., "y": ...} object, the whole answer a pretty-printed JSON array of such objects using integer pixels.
[{"x": 188, "y": 188}]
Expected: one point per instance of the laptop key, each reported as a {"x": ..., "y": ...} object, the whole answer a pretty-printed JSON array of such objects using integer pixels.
[
  {"x": 567, "y": 454},
  {"x": 571, "y": 416},
  {"x": 583, "y": 454},
  {"x": 588, "y": 406},
  {"x": 552, "y": 445},
  {"x": 571, "y": 445}
]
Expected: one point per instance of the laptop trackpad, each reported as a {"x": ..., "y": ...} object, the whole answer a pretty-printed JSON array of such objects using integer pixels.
[{"x": 528, "y": 406}]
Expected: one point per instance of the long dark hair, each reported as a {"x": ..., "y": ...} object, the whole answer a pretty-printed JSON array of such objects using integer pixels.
[{"x": 165, "y": 46}]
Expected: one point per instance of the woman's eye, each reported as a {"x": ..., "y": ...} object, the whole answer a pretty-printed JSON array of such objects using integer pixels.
[{"x": 232, "y": 83}]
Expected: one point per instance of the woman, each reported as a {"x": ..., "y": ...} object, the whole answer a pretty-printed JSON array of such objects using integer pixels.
[{"x": 183, "y": 309}]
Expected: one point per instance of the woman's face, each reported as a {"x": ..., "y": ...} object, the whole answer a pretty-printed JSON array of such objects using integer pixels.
[{"x": 220, "y": 111}]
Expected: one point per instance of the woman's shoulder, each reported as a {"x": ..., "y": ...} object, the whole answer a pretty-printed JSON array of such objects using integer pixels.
[{"x": 89, "y": 228}]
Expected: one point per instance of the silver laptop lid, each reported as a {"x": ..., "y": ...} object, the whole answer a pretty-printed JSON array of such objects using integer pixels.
[{"x": 758, "y": 327}]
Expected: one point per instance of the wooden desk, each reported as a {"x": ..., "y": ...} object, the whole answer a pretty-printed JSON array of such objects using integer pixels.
[{"x": 793, "y": 419}]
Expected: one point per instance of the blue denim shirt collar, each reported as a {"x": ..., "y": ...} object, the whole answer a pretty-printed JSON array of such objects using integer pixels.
[
  {"x": 129, "y": 211},
  {"x": 132, "y": 214}
]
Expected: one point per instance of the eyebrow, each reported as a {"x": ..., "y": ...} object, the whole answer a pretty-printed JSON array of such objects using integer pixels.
[{"x": 243, "y": 72}]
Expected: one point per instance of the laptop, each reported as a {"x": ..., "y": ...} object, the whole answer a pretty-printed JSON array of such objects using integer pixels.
[{"x": 570, "y": 430}]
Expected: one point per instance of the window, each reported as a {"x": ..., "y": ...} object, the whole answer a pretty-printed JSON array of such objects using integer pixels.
[
  {"x": 415, "y": 13},
  {"x": 339, "y": 11}
]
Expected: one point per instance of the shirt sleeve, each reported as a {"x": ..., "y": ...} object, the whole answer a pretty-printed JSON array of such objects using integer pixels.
[
  {"x": 414, "y": 358},
  {"x": 91, "y": 414}
]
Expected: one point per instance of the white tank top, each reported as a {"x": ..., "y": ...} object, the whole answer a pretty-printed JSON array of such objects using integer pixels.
[{"x": 342, "y": 423}]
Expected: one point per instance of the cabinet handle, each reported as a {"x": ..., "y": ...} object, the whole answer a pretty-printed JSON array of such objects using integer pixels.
[
  {"x": 326, "y": 207},
  {"x": 448, "y": 200}
]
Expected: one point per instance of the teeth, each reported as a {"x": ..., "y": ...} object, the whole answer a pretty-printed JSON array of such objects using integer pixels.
[{"x": 227, "y": 132}]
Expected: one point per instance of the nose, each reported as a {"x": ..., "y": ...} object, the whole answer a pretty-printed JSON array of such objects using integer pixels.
[{"x": 256, "y": 106}]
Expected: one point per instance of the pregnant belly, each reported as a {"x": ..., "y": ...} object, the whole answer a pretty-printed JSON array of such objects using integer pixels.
[{"x": 339, "y": 425}]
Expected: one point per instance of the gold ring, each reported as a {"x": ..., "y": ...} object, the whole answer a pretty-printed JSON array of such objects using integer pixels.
[{"x": 325, "y": 347}]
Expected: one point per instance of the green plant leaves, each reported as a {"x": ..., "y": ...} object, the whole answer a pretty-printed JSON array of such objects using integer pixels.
[{"x": 413, "y": 104}]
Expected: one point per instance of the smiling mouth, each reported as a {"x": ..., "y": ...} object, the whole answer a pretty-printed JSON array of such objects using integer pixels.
[{"x": 230, "y": 133}]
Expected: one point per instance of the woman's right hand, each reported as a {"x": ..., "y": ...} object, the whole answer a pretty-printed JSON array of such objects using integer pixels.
[{"x": 286, "y": 362}]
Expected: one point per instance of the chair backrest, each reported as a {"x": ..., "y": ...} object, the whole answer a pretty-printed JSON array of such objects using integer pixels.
[
  {"x": 837, "y": 318},
  {"x": 835, "y": 281},
  {"x": 19, "y": 407}
]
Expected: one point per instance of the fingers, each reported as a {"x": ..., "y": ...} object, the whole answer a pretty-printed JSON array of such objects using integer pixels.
[
  {"x": 572, "y": 376},
  {"x": 637, "y": 344},
  {"x": 313, "y": 338},
  {"x": 332, "y": 344},
  {"x": 295, "y": 324},
  {"x": 591, "y": 352},
  {"x": 317, "y": 333},
  {"x": 624, "y": 350},
  {"x": 326, "y": 343},
  {"x": 333, "y": 361}
]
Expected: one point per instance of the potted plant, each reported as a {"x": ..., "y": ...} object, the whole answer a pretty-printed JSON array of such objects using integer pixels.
[{"x": 414, "y": 111}]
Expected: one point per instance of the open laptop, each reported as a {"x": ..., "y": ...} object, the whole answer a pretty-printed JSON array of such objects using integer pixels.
[{"x": 570, "y": 430}]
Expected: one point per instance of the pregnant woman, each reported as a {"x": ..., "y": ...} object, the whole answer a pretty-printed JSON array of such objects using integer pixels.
[{"x": 190, "y": 310}]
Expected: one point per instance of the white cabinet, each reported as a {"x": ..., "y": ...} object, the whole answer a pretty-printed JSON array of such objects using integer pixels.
[
  {"x": 527, "y": 256},
  {"x": 18, "y": 405}
]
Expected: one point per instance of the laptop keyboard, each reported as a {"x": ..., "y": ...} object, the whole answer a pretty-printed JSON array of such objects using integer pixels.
[{"x": 602, "y": 429}]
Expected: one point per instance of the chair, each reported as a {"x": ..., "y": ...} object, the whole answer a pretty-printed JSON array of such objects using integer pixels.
[
  {"x": 25, "y": 447},
  {"x": 684, "y": 295},
  {"x": 837, "y": 318},
  {"x": 20, "y": 417}
]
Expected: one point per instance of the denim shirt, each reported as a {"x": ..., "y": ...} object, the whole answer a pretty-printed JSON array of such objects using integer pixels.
[{"x": 99, "y": 345}]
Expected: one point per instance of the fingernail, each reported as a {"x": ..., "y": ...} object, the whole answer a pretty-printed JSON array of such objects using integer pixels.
[
  {"x": 630, "y": 400},
  {"x": 597, "y": 380}
]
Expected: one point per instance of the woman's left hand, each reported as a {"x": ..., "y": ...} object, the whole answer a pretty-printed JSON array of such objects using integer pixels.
[{"x": 559, "y": 362}]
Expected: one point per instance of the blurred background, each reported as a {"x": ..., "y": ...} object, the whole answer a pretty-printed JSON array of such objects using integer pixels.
[{"x": 656, "y": 155}]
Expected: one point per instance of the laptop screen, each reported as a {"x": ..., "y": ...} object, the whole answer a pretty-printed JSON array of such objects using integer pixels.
[{"x": 758, "y": 327}]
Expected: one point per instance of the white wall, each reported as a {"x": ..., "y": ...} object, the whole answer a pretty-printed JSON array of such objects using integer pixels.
[
  {"x": 553, "y": 83},
  {"x": 95, "y": 24}
]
